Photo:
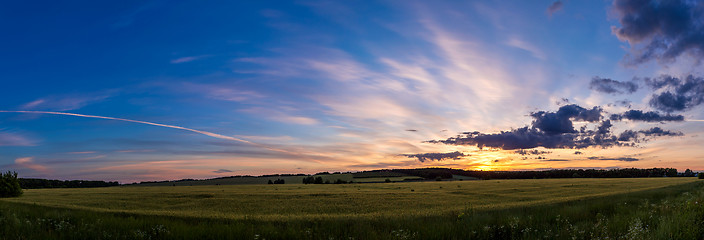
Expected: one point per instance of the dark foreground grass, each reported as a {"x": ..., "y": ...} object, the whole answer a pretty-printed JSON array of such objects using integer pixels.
[{"x": 674, "y": 212}]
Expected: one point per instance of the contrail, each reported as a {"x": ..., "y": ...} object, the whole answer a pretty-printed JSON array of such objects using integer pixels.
[
  {"x": 215, "y": 135},
  {"x": 694, "y": 120}
]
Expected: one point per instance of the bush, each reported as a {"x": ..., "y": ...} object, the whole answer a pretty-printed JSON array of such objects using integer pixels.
[
  {"x": 701, "y": 175},
  {"x": 9, "y": 185}
]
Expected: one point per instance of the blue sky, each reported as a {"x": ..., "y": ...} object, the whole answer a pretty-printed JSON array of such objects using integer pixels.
[{"x": 309, "y": 86}]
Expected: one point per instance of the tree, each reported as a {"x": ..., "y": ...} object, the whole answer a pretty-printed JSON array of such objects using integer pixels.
[
  {"x": 671, "y": 172},
  {"x": 9, "y": 185},
  {"x": 688, "y": 173},
  {"x": 318, "y": 180},
  {"x": 701, "y": 175},
  {"x": 270, "y": 182},
  {"x": 308, "y": 180}
]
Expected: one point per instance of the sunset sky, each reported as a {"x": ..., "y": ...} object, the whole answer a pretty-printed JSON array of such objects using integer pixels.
[{"x": 161, "y": 90}]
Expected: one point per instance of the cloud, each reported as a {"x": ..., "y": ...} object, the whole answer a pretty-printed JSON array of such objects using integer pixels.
[
  {"x": 14, "y": 139},
  {"x": 577, "y": 153},
  {"x": 526, "y": 138},
  {"x": 661, "y": 30},
  {"x": 65, "y": 102},
  {"x": 555, "y": 130},
  {"x": 531, "y": 152},
  {"x": 676, "y": 94},
  {"x": 657, "y": 131},
  {"x": 84, "y": 152},
  {"x": 535, "y": 51},
  {"x": 222, "y": 171},
  {"x": 638, "y": 115},
  {"x": 188, "y": 59},
  {"x": 422, "y": 157},
  {"x": 611, "y": 86},
  {"x": 554, "y": 7},
  {"x": 561, "y": 121},
  {"x": 623, "y": 159},
  {"x": 280, "y": 115},
  {"x": 28, "y": 162},
  {"x": 210, "y": 134},
  {"x": 129, "y": 17},
  {"x": 219, "y": 91},
  {"x": 556, "y": 160},
  {"x": 630, "y": 135}
]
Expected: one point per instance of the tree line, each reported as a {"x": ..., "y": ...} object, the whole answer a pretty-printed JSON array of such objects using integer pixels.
[
  {"x": 446, "y": 173},
  {"x": 319, "y": 180},
  {"x": 33, "y": 183}
]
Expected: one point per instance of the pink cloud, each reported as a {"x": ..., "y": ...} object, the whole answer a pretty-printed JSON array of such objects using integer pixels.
[
  {"x": 13, "y": 139},
  {"x": 28, "y": 162}
]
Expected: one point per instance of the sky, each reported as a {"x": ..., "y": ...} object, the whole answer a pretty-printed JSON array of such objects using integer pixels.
[{"x": 161, "y": 90}]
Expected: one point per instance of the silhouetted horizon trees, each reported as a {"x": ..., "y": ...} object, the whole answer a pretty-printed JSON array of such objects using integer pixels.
[
  {"x": 434, "y": 173},
  {"x": 33, "y": 183}
]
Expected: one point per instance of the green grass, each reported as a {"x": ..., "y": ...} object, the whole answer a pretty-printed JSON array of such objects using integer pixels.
[{"x": 656, "y": 208}]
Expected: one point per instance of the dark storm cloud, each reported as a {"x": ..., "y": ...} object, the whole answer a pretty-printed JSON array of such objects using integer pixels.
[
  {"x": 638, "y": 115},
  {"x": 623, "y": 159},
  {"x": 611, "y": 86},
  {"x": 662, "y": 81},
  {"x": 661, "y": 30},
  {"x": 555, "y": 130},
  {"x": 656, "y": 131},
  {"x": 422, "y": 157},
  {"x": 628, "y": 135},
  {"x": 222, "y": 171},
  {"x": 676, "y": 94},
  {"x": 526, "y": 138},
  {"x": 554, "y": 7},
  {"x": 561, "y": 121},
  {"x": 531, "y": 152}
]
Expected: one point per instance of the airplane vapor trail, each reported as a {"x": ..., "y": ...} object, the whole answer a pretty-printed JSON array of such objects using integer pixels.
[{"x": 215, "y": 135}]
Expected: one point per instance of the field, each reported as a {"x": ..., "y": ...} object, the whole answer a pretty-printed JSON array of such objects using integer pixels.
[{"x": 534, "y": 209}]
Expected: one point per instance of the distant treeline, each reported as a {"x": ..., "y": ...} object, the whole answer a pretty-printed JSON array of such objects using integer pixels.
[
  {"x": 447, "y": 173},
  {"x": 31, "y": 183},
  {"x": 435, "y": 173}
]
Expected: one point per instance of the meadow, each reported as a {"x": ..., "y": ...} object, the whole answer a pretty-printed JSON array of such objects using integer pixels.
[{"x": 631, "y": 208}]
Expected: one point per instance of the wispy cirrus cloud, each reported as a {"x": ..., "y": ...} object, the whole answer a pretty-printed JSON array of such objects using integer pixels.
[
  {"x": 535, "y": 51},
  {"x": 8, "y": 138},
  {"x": 280, "y": 116},
  {"x": 210, "y": 134},
  {"x": 188, "y": 59},
  {"x": 66, "y": 102}
]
